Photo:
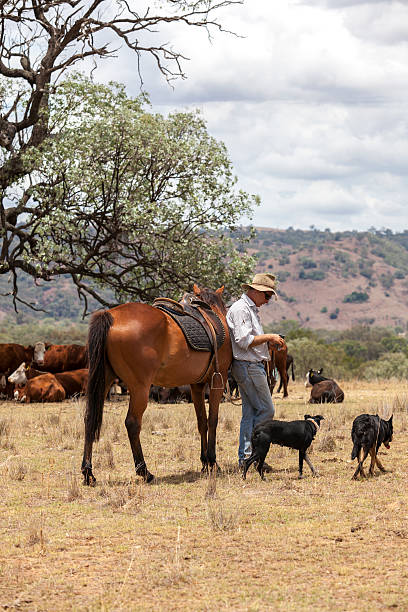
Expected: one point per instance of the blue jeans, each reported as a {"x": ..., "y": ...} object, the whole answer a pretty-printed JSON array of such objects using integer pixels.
[{"x": 256, "y": 401}]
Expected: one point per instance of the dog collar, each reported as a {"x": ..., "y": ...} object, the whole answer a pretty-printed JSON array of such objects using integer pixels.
[{"x": 315, "y": 424}]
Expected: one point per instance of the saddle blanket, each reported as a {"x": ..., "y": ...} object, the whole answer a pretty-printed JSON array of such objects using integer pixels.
[{"x": 197, "y": 337}]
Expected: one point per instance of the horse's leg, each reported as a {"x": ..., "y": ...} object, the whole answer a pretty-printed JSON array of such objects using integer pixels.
[
  {"x": 215, "y": 398},
  {"x": 137, "y": 405},
  {"x": 285, "y": 383},
  {"x": 197, "y": 394}
]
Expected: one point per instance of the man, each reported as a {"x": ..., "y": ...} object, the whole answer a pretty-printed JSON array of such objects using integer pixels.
[{"x": 250, "y": 350}]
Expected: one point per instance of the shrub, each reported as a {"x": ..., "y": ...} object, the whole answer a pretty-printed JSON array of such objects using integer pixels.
[
  {"x": 387, "y": 280},
  {"x": 309, "y": 353},
  {"x": 282, "y": 275},
  {"x": 390, "y": 365},
  {"x": 356, "y": 297},
  {"x": 307, "y": 263},
  {"x": 283, "y": 260},
  {"x": 323, "y": 309},
  {"x": 312, "y": 275}
]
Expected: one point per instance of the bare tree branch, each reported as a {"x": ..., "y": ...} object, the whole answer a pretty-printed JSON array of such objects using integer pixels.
[{"x": 39, "y": 41}]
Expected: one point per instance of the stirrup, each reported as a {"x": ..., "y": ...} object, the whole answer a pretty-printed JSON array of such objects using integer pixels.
[{"x": 215, "y": 374}]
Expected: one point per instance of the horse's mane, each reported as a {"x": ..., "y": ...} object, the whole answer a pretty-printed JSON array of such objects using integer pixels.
[{"x": 212, "y": 298}]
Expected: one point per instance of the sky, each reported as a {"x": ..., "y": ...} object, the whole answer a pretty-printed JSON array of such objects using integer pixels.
[{"x": 311, "y": 102}]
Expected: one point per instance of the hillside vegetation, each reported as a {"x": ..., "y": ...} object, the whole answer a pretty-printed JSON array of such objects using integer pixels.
[
  {"x": 342, "y": 302},
  {"x": 336, "y": 280}
]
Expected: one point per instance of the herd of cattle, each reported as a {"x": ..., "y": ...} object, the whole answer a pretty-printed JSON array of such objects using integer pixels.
[{"x": 55, "y": 372}]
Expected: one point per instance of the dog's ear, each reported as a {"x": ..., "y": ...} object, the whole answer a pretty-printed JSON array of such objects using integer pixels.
[
  {"x": 320, "y": 371},
  {"x": 307, "y": 416},
  {"x": 390, "y": 419}
]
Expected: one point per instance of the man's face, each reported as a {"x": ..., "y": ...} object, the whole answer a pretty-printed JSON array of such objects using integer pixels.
[{"x": 260, "y": 297}]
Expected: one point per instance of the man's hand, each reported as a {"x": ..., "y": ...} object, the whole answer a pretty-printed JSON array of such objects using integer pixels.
[{"x": 274, "y": 340}]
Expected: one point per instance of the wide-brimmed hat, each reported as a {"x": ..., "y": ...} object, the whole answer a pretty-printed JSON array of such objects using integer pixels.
[{"x": 261, "y": 282}]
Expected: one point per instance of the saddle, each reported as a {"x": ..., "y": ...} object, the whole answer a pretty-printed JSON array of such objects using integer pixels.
[{"x": 201, "y": 326}]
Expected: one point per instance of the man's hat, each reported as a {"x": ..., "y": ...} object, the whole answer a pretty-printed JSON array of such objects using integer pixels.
[{"x": 261, "y": 282}]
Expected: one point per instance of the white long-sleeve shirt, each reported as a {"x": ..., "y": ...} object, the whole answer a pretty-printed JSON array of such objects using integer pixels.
[{"x": 244, "y": 324}]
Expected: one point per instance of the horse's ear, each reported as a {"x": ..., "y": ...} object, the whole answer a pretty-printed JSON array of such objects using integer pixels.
[
  {"x": 220, "y": 290},
  {"x": 196, "y": 289}
]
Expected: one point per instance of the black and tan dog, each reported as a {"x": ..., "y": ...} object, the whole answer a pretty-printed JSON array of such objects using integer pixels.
[
  {"x": 293, "y": 434},
  {"x": 368, "y": 432}
]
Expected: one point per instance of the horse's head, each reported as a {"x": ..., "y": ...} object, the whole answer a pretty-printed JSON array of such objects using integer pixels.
[{"x": 211, "y": 297}]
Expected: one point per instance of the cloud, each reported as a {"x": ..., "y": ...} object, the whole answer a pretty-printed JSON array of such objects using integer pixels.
[{"x": 310, "y": 103}]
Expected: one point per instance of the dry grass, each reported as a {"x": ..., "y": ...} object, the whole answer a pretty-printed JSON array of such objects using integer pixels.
[{"x": 198, "y": 542}]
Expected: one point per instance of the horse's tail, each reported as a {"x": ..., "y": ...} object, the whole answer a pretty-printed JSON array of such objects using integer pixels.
[
  {"x": 99, "y": 327},
  {"x": 293, "y": 371}
]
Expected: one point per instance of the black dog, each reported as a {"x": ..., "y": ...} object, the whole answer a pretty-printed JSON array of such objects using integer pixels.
[
  {"x": 368, "y": 432},
  {"x": 294, "y": 434}
]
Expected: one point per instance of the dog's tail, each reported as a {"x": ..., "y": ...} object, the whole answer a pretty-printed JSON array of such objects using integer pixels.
[{"x": 356, "y": 449}]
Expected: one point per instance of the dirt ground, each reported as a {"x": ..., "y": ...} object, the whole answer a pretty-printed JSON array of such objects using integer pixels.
[{"x": 192, "y": 542}]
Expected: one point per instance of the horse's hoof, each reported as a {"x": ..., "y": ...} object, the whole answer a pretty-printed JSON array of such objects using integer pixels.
[
  {"x": 300, "y": 477},
  {"x": 149, "y": 477},
  {"x": 204, "y": 469},
  {"x": 89, "y": 478}
]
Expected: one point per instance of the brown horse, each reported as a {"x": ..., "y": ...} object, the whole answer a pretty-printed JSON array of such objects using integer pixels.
[
  {"x": 142, "y": 345},
  {"x": 278, "y": 362}
]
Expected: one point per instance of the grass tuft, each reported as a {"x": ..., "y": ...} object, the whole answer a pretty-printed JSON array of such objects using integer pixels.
[
  {"x": 73, "y": 489},
  {"x": 221, "y": 519}
]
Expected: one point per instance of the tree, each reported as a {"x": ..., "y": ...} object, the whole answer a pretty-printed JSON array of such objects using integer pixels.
[
  {"x": 39, "y": 41},
  {"x": 130, "y": 200}
]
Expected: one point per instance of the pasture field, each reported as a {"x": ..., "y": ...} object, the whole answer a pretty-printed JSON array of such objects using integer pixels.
[{"x": 192, "y": 542}]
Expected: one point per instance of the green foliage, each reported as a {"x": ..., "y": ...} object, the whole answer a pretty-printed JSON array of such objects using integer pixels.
[
  {"x": 310, "y": 353},
  {"x": 356, "y": 297},
  {"x": 387, "y": 280},
  {"x": 63, "y": 331},
  {"x": 366, "y": 267},
  {"x": 390, "y": 365},
  {"x": 323, "y": 309},
  {"x": 134, "y": 201},
  {"x": 394, "y": 344},
  {"x": 344, "y": 354},
  {"x": 307, "y": 263},
  {"x": 312, "y": 275},
  {"x": 283, "y": 259},
  {"x": 282, "y": 275},
  {"x": 286, "y": 298}
]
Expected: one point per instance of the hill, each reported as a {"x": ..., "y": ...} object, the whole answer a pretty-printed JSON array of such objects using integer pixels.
[
  {"x": 336, "y": 280},
  {"x": 327, "y": 280}
]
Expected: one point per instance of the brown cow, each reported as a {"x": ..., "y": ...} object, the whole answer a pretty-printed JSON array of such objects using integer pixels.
[
  {"x": 73, "y": 382},
  {"x": 63, "y": 358},
  {"x": 324, "y": 390},
  {"x": 11, "y": 355},
  {"x": 278, "y": 361},
  {"x": 44, "y": 388}
]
